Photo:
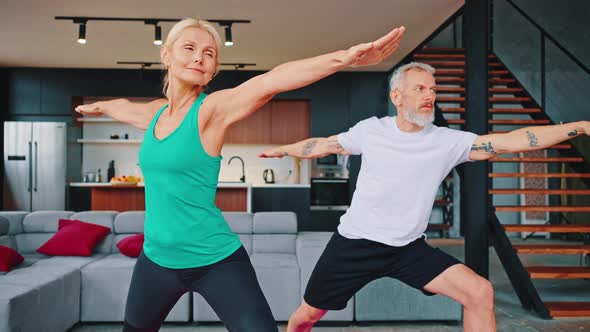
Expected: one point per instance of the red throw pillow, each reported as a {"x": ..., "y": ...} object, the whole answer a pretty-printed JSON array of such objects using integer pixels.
[
  {"x": 132, "y": 245},
  {"x": 9, "y": 258},
  {"x": 74, "y": 238}
]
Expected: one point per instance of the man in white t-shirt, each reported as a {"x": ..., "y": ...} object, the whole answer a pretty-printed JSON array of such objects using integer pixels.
[{"x": 404, "y": 160}]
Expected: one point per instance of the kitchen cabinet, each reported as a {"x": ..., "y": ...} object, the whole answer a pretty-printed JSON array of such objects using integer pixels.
[
  {"x": 277, "y": 122},
  {"x": 290, "y": 121},
  {"x": 253, "y": 129},
  {"x": 283, "y": 199},
  {"x": 25, "y": 92}
]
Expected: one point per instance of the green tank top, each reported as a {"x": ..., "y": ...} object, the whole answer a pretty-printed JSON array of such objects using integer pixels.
[{"x": 183, "y": 227}]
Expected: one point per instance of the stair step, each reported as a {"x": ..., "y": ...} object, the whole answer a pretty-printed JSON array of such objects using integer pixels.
[
  {"x": 497, "y": 80},
  {"x": 438, "y": 56},
  {"x": 510, "y": 100},
  {"x": 538, "y": 160},
  {"x": 443, "y": 49},
  {"x": 461, "y": 72},
  {"x": 450, "y": 80},
  {"x": 505, "y": 90},
  {"x": 539, "y": 192},
  {"x": 560, "y": 249},
  {"x": 450, "y": 99},
  {"x": 421, "y": 56},
  {"x": 456, "y": 121},
  {"x": 562, "y": 228},
  {"x": 515, "y": 110},
  {"x": 568, "y": 309},
  {"x": 559, "y": 272},
  {"x": 450, "y": 72},
  {"x": 445, "y": 63},
  {"x": 455, "y": 63},
  {"x": 495, "y": 110},
  {"x": 498, "y": 72},
  {"x": 539, "y": 175},
  {"x": 453, "y": 110},
  {"x": 518, "y": 122},
  {"x": 450, "y": 89},
  {"x": 542, "y": 208},
  {"x": 442, "y": 202}
]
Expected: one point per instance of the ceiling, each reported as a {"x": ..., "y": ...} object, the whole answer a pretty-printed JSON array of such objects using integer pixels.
[{"x": 280, "y": 31}]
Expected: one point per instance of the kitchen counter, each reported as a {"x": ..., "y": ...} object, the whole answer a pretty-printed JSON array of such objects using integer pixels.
[
  {"x": 230, "y": 196},
  {"x": 140, "y": 185},
  {"x": 280, "y": 185},
  {"x": 221, "y": 184}
]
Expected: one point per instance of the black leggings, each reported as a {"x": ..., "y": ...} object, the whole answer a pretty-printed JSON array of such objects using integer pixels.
[{"x": 229, "y": 286}]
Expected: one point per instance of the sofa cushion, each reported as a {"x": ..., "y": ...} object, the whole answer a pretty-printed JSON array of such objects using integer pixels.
[
  {"x": 131, "y": 246},
  {"x": 9, "y": 258},
  {"x": 129, "y": 222},
  {"x": 274, "y": 243},
  {"x": 15, "y": 219},
  {"x": 105, "y": 284},
  {"x": 4, "y": 226},
  {"x": 74, "y": 238},
  {"x": 44, "y": 221},
  {"x": 275, "y": 222},
  {"x": 239, "y": 222}
]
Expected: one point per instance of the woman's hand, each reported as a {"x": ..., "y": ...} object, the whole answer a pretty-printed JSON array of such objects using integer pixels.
[
  {"x": 93, "y": 109},
  {"x": 373, "y": 53}
]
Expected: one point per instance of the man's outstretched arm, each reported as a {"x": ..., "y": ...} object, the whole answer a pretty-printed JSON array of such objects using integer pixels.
[
  {"x": 526, "y": 139},
  {"x": 307, "y": 149}
]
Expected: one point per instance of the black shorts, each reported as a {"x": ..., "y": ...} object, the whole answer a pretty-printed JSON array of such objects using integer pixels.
[{"x": 347, "y": 265}]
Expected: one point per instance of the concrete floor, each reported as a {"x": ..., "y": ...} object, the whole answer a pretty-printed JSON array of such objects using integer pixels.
[{"x": 511, "y": 317}]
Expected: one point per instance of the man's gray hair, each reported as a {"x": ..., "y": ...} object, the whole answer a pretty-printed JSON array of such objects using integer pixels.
[{"x": 397, "y": 79}]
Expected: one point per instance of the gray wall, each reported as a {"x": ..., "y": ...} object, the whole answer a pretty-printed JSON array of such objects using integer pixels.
[{"x": 518, "y": 44}]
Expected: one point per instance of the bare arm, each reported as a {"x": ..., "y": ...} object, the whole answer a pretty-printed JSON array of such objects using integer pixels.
[
  {"x": 138, "y": 115},
  {"x": 232, "y": 105},
  {"x": 311, "y": 148},
  {"x": 526, "y": 139}
]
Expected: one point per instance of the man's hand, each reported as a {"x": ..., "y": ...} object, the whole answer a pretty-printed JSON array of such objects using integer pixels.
[{"x": 273, "y": 153}]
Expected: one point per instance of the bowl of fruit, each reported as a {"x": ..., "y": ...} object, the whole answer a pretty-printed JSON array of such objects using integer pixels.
[{"x": 125, "y": 180}]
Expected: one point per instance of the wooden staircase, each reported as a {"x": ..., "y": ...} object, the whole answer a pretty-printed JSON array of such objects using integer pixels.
[{"x": 509, "y": 105}]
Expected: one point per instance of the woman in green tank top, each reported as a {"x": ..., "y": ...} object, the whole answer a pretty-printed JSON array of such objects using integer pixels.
[{"x": 188, "y": 245}]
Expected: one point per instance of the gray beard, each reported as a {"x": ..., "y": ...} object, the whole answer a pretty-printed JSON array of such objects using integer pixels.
[{"x": 419, "y": 120}]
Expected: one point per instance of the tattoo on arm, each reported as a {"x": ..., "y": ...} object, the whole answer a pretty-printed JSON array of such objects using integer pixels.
[
  {"x": 333, "y": 144},
  {"x": 572, "y": 133},
  {"x": 487, "y": 147},
  {"x": 308, "y": 147},
  {"x": 285, "y": 154},
  {"x": 533, "y": 143}
]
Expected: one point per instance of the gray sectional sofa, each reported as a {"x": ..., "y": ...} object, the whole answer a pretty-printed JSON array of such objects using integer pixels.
[{"x": 53, "y": 293}]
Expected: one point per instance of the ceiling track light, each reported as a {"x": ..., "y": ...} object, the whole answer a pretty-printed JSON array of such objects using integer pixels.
[
  {"x": 227, "y": 24},
  {"x": 228, "y": 39},
  {"x": 81, "y": 30}
]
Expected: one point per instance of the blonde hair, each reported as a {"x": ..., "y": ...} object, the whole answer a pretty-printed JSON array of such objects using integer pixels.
[
  {"x": 398, "y": 77},
  {"x": 174, "y": 34}
]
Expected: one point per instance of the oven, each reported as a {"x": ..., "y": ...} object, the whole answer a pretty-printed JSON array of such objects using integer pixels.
[{"x": 329, "y": 194}]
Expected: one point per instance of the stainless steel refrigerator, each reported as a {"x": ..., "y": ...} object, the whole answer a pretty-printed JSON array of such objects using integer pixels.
[{"x": 34, "y": 166}]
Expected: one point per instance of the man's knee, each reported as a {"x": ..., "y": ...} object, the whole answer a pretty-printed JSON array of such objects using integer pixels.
[
  {"x": 307, "y": 315},
  {"x": 481, "y": 295}
]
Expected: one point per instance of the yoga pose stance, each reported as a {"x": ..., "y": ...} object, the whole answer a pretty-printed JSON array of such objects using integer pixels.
[
  {"x": 188, "y": 245},
  {"x": 404, "y": 160}
]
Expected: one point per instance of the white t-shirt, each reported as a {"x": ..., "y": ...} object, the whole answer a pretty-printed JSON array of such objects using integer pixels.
[{"x": 399, "y": 177}]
